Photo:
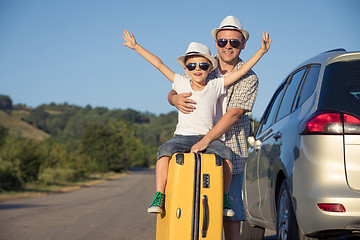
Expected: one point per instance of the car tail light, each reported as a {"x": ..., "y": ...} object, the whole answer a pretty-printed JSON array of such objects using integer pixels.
[
  {"x": 332, "y": 207},
  {"x": 331, "y": 123},
  {"x": 351, "y": 124}
]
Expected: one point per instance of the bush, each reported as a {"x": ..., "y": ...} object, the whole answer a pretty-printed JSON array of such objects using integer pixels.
[
  {"x": 59, "y": 175},
  {"x": 23, "y": 155},
  {"x": 4, "y": 132},
  {"x": 9, "y": 179}
]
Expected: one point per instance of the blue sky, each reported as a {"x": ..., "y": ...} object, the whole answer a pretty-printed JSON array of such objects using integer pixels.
[{"x": 70, "y": 50}]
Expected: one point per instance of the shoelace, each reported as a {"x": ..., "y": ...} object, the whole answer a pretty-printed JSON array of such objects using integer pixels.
[
  {"x": 226, "y": 201},
  {"x": 157, "y": 200}
]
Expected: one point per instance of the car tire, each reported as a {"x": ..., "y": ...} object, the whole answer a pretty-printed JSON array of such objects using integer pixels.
[
  {"x": 286, "y": 225},
  {"x": 249, "y": 232},
  {"x": 303, "y": 237}
]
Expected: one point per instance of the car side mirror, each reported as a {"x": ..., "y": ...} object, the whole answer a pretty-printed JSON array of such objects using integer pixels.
[
  {"x": 251, "y": 139},
  {"x": 252, "y": 142}
]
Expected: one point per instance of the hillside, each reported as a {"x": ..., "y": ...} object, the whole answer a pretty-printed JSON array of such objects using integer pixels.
[
  {"x": 21, "y": 128},
  {"x": 60, "y": 143}
]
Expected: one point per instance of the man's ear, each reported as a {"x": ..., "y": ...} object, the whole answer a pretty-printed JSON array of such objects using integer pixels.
[
  {"x": 243, "y": 45},
  {"x": 216, "y": 46}
]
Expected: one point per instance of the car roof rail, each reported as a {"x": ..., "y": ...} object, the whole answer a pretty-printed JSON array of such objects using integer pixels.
[{"x": 336, "y": 50}]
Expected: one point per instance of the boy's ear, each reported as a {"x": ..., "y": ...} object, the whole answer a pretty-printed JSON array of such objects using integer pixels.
[{"x": 186, "y": 70}]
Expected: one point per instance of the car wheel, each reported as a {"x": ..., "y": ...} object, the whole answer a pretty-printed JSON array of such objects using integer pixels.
[
  {"x": 303, "y": 237},
  {"x": 286, "y": 225},
  {"x": 249, "y": 232}
]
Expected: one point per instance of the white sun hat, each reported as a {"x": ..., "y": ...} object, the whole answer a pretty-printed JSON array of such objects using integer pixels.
[
  {"x": 197, "y": 49},
  {"x": 230, "y": 22}
]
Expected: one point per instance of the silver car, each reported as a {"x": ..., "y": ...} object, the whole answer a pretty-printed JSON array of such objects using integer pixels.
[{"x": 302, "y": 178}]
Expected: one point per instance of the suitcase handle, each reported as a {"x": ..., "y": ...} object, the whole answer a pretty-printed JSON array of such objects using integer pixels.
[{"x": 205, "y": 216}]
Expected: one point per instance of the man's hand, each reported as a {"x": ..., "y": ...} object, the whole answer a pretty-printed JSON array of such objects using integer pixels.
[
  {"x": 224, "y": 124},
  {"x": 265, "y": 42},
  {"x": 182, "y": 102},
  {"x": 200, "y": 146}
]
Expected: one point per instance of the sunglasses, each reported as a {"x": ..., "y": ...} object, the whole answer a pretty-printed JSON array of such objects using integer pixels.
[
  {"x": 203, "y": 66},
  {"x": 223, "y": 42}
]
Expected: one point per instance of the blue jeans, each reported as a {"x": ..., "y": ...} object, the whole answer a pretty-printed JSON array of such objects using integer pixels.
[
  {"x": 180, "y": 143},
  {"x": 235, "y": 198}
]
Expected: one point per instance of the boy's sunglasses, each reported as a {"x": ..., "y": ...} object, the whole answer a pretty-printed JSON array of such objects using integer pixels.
[
  {"x": 223, "y": 42},
  {"x": 203, "y": 66}
]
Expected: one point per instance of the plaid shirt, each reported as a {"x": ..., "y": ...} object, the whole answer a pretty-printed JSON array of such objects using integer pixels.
[{"x": 240, "y": 94}]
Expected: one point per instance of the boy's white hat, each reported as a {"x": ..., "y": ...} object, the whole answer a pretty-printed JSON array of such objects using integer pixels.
[
  {"x": 230, "y": 22},
  {"x": 197, "y": 49}
]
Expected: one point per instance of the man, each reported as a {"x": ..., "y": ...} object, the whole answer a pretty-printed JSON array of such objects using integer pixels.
[{"x": 230, "y": 39}]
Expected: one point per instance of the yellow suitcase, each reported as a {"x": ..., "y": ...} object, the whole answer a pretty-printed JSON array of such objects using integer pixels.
[{"x": 193, "y": 199}]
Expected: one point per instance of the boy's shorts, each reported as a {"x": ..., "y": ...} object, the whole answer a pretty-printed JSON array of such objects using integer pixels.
[
  {"x": 235, "y": 198},
  {"x": 180, "y": 143}
]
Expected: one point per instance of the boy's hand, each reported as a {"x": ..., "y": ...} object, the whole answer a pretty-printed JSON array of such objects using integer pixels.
[
  {"x": 129, "y": 39},
  {"x": 265, "y": 42}
]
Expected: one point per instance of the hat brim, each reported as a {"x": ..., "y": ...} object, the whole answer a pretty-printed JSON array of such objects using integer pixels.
[
  {"x": 244, "y": 32},
  {"x": 181, "y": 59}
]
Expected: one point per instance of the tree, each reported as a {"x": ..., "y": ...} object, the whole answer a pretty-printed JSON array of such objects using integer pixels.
[
  {"x": 105, "y": 147},
  {"x": 5, "y": 103},
  {"x": 9, "y": 179},
  {"x": 23, "y": 156},
  {"x": 38, "y": 118}
]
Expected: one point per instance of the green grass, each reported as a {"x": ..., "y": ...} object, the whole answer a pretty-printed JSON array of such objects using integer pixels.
[{"x": 21, "y": 128}]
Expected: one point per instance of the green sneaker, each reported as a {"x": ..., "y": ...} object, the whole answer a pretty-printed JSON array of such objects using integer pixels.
[
  {"x": 157, "y": 204},
  {"x": 228, "y": 212}
]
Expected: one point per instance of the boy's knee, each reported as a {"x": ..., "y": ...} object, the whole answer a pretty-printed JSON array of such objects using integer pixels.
[
  {"x": 228, "y": 164},
  {"x": 227, "y": 161}
]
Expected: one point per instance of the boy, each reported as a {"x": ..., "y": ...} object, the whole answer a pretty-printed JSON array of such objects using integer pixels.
[{"x": 198, "y": 63}]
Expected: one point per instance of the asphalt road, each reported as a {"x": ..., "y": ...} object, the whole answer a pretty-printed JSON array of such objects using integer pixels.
[{"x": 110, "y": 211}]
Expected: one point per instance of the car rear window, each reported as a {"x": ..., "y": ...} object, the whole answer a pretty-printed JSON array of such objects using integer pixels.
[
  {"x": 354, "y": 79},
  {"x": 340, "y": 89},
  {"x": 308, "y": 85}
]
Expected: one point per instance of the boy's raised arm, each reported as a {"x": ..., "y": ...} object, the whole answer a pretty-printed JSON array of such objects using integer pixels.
[
  {"x": 151, "y": 58},
  {"x": 234, "y": 76}
]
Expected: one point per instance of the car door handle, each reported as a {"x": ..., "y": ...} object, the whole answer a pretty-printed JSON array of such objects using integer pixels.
[{"x": 277, "y": 135}]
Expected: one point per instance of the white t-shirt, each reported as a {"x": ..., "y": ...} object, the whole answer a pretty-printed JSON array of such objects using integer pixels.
[
  {"x": 222, "y": 100},
  {"x": 203, "y": 118}
]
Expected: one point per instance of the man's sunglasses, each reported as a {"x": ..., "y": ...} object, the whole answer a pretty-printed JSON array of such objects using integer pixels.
[
  {"x": 203, "y": 66},
  {"x": 223, "y": 42}
]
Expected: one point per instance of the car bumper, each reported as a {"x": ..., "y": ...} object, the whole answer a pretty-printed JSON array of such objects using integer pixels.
[{"x": 319, "y": 177}]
